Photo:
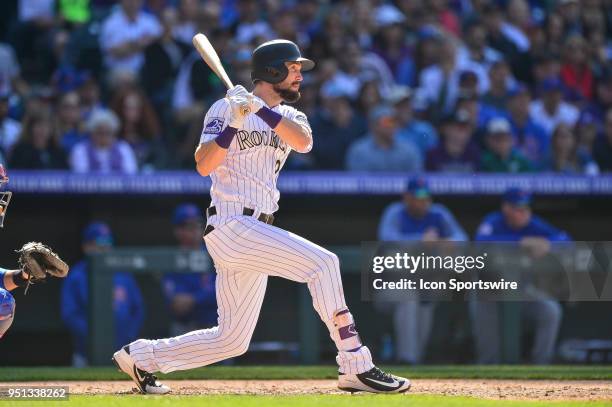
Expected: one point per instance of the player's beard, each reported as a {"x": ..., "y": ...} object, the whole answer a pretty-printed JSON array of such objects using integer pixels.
[{"x": 288, "y": 95}]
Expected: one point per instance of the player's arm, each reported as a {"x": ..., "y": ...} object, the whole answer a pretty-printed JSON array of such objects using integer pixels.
[
  {"x": 295, "y": 130},
  {"x": 209, "y": 156},
  {"x": 296, "y": 135},
  {"x": 221, "y": 124},
  {"x": 10, "y": 276}
]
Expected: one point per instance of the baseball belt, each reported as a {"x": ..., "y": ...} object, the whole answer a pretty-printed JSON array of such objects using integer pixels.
[{"x": 263, "y": 217}]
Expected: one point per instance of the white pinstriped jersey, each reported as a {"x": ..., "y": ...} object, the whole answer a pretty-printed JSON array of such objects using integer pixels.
[{"x": 254, "y": 159}]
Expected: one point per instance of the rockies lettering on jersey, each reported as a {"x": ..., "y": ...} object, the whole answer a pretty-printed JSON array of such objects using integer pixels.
[{"x": 257, "y": 154}]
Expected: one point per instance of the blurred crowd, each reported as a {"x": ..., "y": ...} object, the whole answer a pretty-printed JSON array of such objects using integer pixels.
[{"x": 404, "y": 85}]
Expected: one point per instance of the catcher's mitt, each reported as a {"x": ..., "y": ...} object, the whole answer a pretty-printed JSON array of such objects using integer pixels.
[{"x": 38, "y": 260}]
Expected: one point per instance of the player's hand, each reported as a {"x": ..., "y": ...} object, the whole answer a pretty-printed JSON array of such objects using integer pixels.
[
  {"x": 255, "y": 103},
  {"x": 239, "y": 106},
  {"x": 237, "y": 90}
]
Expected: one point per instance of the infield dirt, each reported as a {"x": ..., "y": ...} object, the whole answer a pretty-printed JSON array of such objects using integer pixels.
[{"x": 488, "y": 389}]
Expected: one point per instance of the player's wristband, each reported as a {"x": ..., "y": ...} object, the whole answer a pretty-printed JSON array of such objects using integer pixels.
[
  {"x": 224, "y": 139},
  {"x": 18, "y": 280},
  {"x": 269, "y": 116}
]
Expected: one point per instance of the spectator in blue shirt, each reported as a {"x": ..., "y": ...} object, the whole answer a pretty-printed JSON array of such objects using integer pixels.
[
  {"x": 410, "y": 128},
  {"x": 382, "y": 150},
  {"x": 415, "y": 218},
  {"x": 191, "y": 297},
  {"x": 530, "y": 138},
  {"x": 515, "y": 222},
  {"x": 128, "y": 305}
]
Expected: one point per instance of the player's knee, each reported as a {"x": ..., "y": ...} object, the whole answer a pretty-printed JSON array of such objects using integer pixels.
[
  {"x": 243, "y": 348},
  {"x": 331, "y": 261},
  {"x": 235, "y": 350}
]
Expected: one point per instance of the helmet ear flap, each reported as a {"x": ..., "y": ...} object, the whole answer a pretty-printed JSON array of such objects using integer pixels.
[{"x": 273, "y": 72}]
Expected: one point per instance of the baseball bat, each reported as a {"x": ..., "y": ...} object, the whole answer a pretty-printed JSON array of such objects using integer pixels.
[{"x": 209, "y": 55}]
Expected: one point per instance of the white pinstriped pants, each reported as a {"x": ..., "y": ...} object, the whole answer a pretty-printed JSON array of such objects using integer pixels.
[{"x": 245, "y": 252}]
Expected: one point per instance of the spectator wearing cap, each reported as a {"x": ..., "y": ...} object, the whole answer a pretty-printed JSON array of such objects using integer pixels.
[
  {"x": 551, "y": 109},
  {"x": 381, "y": 149},
  {"x": 414, "y": 218},
  {"x": 566, "y": 157},
  {"x": 529, "y": 137},
  {"x": 456, "y": 151},
  {"x": 125, "y": 33},
  {"x": 103, "y": 153},
  {"x": 9, "y": 128},
  {"x": 70, "y": 124},
  {"x": 575, "y": 72},
  {"x": 419, "y": 132},
  {"x": 190, "y": 297},
  {"x": 603, "y": 145},
  {"x": 337, "y": 126},
  {"x": 391, "y": 46},
  {"x": 36, "y": 148},
  {"x": 515, "y": 222},
  {"x": 500, "y": 154},
  {"x": 128, "y": 306}
]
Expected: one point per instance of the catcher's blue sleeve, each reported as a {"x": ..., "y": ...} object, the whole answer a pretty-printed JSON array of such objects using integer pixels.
[{"x": 2, "y": 273}]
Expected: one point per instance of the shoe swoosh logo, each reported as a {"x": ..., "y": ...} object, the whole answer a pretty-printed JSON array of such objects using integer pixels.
[
  {"x": 392, "y": 386},
  {"x": 140, "y": 378}
]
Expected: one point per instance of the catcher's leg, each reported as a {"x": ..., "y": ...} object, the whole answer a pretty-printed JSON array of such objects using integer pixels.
[{"x": 240, "y": 293}]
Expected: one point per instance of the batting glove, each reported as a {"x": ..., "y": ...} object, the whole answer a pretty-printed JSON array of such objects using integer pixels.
[
  {"x": 237, "y": 90},
  {"x": 255, "y": 103},
  {"x": 240, "y": 109}
]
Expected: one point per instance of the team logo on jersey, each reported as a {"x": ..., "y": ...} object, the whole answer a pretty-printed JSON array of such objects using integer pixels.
[
  {"x": 214, "y": 125},
  {"x": 252, "y": 139}
]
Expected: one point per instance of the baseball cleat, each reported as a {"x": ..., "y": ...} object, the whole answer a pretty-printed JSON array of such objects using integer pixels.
[
  {"x": 147, "y": 382},
  {"x": 373, "y": 381}
]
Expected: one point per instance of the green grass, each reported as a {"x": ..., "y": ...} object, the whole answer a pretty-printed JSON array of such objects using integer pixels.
[
  {"x": 8, "y": 374},
  {"x": 303, "y": 401}
]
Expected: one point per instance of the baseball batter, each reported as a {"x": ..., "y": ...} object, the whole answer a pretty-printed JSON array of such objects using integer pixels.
[{"x": 245, "y": 141}]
